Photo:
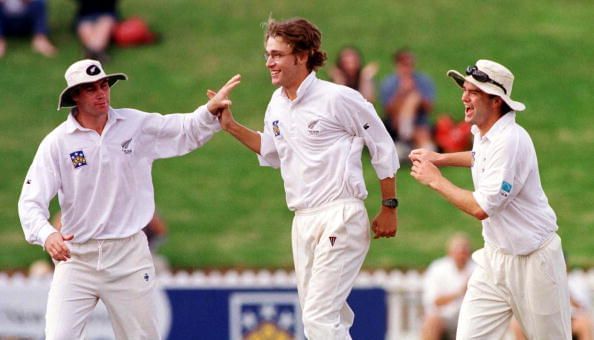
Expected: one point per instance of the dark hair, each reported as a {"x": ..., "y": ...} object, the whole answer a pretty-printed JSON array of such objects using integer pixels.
[
  {"x": 504, "y": 108},
  {"x": 302, "y": 35}
]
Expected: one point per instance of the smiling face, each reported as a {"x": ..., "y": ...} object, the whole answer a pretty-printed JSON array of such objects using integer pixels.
[
  {"x": 92, "y": 99},
  {"x": 287, "y": 69},
  {"x": 480, "y": 108}
]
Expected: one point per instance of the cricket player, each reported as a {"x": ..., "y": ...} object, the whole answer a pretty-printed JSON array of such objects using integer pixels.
[
  {"x": 315, "y": 132},
  {"x": 99, "y": 164},
  {"x": 521, "y": 269}
]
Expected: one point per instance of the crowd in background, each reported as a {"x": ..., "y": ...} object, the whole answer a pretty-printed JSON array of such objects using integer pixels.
[
  {"x": 407, "y": 100},
  {"x": 97, "y": 24}
]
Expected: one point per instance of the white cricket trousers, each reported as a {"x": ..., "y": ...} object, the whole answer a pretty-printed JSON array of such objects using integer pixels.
[
  {"x": 329, "y": 245},
  {"x": 121, "y": 273},
  {"x": 531, "y": 287}
]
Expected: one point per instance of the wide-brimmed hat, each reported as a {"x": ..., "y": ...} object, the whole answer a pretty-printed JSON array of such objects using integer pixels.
[
  {"x": 492, "y": 78},
  {"x": 83, "y": 72}
]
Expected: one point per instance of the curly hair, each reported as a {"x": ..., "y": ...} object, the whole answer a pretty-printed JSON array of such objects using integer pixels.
[{"x": 302, "y": 35}]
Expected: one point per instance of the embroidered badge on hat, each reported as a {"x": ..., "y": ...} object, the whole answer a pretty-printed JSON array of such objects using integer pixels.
[
  {"x": 93, "y": 70},
  {"x": 78, "y": 159}
]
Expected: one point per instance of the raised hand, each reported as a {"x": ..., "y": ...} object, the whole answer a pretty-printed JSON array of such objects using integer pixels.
[{"x": 220, "y": 99}]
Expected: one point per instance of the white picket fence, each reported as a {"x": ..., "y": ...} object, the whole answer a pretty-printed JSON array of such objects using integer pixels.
[{"x": 404, "y": 289}]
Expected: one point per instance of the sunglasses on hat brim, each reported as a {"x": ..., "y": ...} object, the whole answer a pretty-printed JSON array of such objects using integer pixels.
[{"x": 481, "y": 76}]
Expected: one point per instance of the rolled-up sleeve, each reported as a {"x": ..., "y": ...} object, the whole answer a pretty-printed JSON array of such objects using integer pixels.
[
  {"x": 501, "y": 179},
  {"x": 40, "y": 186},
  {"x": 361, "y": 119}
]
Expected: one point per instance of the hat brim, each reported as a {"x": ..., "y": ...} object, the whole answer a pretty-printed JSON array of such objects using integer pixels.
[
  {"x": 487, "y": 88},
  {"x": 65, "y": 98}
]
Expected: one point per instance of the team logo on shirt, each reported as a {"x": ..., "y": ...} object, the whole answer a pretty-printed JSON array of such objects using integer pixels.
[
  {"x": 126, "y": 146},
  {"x": 78, "y": 159},
  {"x": 311, "y": 127},
  {"x": 505, "y": 188},
  {"x": 275, "y": 128},
  {"x": 332, "y": 240}
]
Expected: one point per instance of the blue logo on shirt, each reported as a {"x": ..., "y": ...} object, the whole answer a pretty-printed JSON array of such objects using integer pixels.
[
  {"x": 78, "y": 159},
  {"x": 505, "y": 188},
  {"x": 275, "y": 128}
]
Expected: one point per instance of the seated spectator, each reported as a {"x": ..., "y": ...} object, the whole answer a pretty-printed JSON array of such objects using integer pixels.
[
  {"x": 20, "y": 18},
  {"x": 407, "y": 98},
  {"x": 349, "y": 70},
  {"x": 95, "y": 21},
  {"x": 444, "y": 286}
]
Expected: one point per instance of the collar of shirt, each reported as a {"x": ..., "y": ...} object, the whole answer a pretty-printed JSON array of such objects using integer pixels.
[
  {"x": 72, "y": 124},
  {"x": 303, "y": 87},
  {"x": 506, "y": 120}
]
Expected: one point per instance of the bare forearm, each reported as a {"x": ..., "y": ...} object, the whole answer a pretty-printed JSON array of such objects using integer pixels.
[
  {"x": 460, "y": 198},
  {"x": 388, "y": 187},
  {"x": 461, "y": 159},
  {"x": 250, "y": 138}
]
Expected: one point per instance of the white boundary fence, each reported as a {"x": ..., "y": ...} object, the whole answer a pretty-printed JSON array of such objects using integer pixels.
[{"x": 403, "y": 290}]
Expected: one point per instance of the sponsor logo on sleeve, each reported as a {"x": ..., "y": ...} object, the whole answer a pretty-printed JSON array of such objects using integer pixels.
[{"x": 505, "y": 188}]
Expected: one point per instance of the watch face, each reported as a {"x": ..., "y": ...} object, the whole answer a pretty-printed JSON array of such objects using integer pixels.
[{"x": 390, "y": 202}]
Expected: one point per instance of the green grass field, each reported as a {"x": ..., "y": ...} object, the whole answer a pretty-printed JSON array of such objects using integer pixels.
[{"x": 222, "y": 209}]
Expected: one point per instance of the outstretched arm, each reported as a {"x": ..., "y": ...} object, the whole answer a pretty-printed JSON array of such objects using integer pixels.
[
  {"x": 249, "y": 138},
  {"x": 461, "y": 159}
]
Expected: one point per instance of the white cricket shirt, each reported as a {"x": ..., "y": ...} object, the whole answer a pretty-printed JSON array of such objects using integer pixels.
[
  {"x": 507, "y": 187},
  {"x": 104, "y": 182},
  {"x": 317, "y": 140},
  {"x": 443, "y": 278}
]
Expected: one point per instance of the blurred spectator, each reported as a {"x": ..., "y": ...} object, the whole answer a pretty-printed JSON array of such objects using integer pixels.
[
  {"x": 452, "y": 136},
  {"x": 95, "y": 21},
  {"x": 21, "y": 18},
  {"x": 349, "y": 70},
  {"x": 444, "y": 286},
  {"x": 40, "y": 268},
  {"x": 582, "y": 327},
  {"x": 407, "y": 98}
]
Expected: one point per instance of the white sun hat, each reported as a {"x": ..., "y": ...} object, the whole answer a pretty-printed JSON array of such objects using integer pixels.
[
  {"x": 492, "y": 78},
  {"x": 83, "y": 72}
]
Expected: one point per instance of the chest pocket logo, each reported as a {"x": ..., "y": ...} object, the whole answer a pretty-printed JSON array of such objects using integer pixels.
[
  {"x": 312, "y": 128},
  {"x": 126, "y": 146},
  {"x": 275, "y": 128},
  {"x": 78, "y": 159}
]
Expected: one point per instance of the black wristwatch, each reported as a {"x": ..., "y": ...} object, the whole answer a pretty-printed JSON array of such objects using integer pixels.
[{"x": 390, "y": 203}]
